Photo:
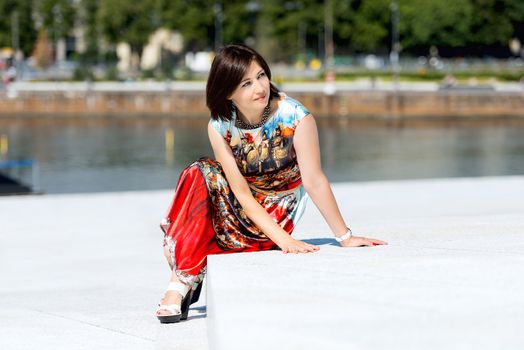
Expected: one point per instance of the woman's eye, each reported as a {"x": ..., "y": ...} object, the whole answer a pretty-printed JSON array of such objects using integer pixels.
[
  {"x": 262, "y": 75},
  {"x": 246, "y": 84}
]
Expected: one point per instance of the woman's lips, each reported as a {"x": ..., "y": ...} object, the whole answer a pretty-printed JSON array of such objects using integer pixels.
[{"x": 260, "y": 98}]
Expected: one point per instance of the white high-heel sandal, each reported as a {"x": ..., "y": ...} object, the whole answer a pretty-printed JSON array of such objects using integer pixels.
[{"x": 178, "y": 311}]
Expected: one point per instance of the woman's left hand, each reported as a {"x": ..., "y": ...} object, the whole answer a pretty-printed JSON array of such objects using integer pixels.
[{"x": 356, "y": 241}]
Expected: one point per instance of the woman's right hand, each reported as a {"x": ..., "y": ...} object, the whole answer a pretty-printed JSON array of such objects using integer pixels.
[{"x": 291, "y": 245}]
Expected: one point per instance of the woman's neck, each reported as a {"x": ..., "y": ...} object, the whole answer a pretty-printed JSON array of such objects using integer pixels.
[
  {"x": 256, "y": 117},
  {"x": 252, "y": 119}
]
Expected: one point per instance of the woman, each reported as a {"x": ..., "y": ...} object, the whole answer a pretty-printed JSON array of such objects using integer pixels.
[{"x": 251, "y": 197}]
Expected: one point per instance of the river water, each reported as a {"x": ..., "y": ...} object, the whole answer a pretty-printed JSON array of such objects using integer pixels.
[{"x": 146, "y": 153}]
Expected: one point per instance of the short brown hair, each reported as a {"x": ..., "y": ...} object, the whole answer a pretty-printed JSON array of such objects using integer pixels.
[{"x": 227, "y": 70}]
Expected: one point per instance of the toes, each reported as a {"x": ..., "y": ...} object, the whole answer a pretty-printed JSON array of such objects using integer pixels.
[{"x": 163, "y": 313}]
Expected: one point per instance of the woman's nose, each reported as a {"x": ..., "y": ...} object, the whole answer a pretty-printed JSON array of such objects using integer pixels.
[{"x": 259, "y": 87}]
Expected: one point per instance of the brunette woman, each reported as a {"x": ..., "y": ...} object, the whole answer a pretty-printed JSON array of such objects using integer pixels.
[{"x": 241, "y": 200}]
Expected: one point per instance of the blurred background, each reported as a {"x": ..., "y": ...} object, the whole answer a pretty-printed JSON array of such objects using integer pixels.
[{"x": 108, "y": 95}]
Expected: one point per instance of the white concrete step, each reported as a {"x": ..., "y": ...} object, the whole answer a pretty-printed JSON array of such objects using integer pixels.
[{"x": 452, "y": 276}]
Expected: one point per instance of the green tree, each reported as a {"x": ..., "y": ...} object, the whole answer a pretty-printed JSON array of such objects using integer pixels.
[
  {"x": 491, "y": 23},
  {"x": 194, "y": 19},
  {"x": 239, "y": 20},
  {"x": 343, "y": 24},
  {"x": 21, "y": 10},
  {"x": 371, "y": 25},
  {"x": 287, "y": 20},
  {"x": 440, "y": 23},
  {"x": 515, "y": 11},
  {"x": 126, "y": 21},
  {"x": 516, "y": 14},
  {"x": 88, "y": 18},
  {"x": 57, "y": 17}
]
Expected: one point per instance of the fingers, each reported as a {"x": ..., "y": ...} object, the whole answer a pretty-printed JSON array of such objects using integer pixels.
[
  {"x": 377, "y": 241},
  {"x": 301, "y": 248},
  {"x": 297, "y": 250},
  {"x": 370, "y": 242},
  {"x": 309, "y": 248},
  {"x": 356, "y": 241},
  {"x": 367, "y": 243}
]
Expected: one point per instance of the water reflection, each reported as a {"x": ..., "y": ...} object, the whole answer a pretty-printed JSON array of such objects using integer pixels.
[
  {"x": 118, "y": 155},
  {"x": 382, "y": 153},
  {"x": 170, "y": 146}
]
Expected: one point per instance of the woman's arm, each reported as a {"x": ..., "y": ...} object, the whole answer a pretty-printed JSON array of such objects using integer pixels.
[
  {"x": 316, "y": 183},
  {"x": 252, "y": 208}
]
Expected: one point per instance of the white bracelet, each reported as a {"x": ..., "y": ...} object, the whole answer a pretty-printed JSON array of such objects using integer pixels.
[{"x": 345, "y": 236}]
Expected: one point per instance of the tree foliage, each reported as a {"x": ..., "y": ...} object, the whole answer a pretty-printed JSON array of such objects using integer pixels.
[
  {"x": 21, "y": 9},
  {"x": 283, "y": 29},
  {"x": 194, "y": 19},
  {"x": 88, "y": 18},
  {"x": 491, "y": 23},
  {"x": 371, "y": 25},
  {"x": 438, "y": 23},
  {"x": 127, "y": 21},
  {"x": 286, "y": 21},
  {"x": 57, "y": 17}
]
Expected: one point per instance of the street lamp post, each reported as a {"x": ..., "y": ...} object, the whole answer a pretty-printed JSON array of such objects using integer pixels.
[
  {"x": 320, "y": 41},
  {"x": 253, "y": 9},
  {"x": 395, "y": 44},
  {"x": 16, "y": 43},
  {"x": 301, "y": 38},
  {"x": 219, "y": 19},
  {"x": 329, "y": 48}
]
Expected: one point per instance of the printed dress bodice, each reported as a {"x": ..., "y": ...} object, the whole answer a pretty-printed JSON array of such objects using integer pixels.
[{"x": 266, "y": 156}]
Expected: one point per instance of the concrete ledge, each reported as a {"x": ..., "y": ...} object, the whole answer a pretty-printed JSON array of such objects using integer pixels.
[
  {"x": 85, "y": 271},
  {"x": 451, "y": 277}
]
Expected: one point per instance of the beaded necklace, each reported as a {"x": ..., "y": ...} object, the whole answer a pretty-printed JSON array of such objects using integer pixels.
[{"x": 239, "y": 123}]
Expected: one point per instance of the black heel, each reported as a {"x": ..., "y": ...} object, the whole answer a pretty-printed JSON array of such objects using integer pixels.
[
  {"x": 185, "y": 306},
  {"x": 191, "y": 298},
  {"x": 196, "y": 293}
]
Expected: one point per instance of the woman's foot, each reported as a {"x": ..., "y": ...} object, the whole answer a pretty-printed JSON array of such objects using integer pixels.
[
  {"x": 170, "y": 297},
  {"x": 175, "y": 304}
]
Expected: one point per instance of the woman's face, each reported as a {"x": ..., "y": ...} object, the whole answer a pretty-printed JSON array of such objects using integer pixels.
[{"x": 252, "y": 94}]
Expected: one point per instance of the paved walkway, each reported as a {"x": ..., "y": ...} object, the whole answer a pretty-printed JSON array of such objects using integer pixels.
[{"x": 85, "y": 272}]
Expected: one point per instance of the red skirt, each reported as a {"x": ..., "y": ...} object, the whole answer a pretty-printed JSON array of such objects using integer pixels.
[{"x": 189, "y": 230}]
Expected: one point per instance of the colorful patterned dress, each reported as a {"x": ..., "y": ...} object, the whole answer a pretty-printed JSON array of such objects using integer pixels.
[{"x": 205, "y": 217}]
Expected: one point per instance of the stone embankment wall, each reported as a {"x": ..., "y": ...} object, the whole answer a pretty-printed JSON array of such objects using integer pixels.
[{"x": 189, "y": 102}]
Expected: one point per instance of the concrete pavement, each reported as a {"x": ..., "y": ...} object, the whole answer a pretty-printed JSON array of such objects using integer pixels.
[{"x": 86, "y": 271}]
